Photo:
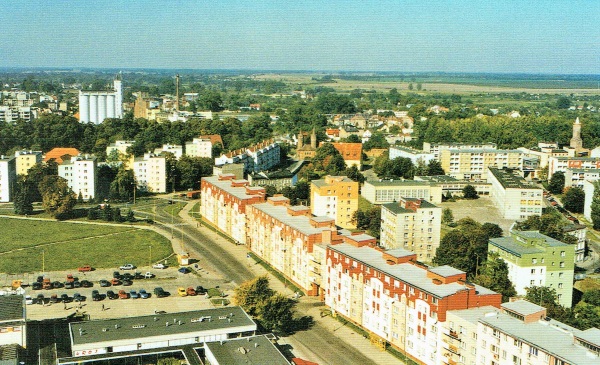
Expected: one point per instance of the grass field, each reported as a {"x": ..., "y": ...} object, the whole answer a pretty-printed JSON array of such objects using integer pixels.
[{"x": 33, "y": 246}]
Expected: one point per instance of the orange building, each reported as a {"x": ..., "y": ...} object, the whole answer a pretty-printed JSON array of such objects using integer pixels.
[
  {"x": 351, "y": 152},
  {"x": 60, "y": 154}
]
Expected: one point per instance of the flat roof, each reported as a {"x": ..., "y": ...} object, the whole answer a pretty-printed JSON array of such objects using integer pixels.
[
  {"x": 510, "y": 244},
  {"x": 104, "y": 330},
  {"x": 300, "y": 223},
  {"x": 560, "y": 158},
  {"x": 392, "y": 182},
  {"x": 472, "y": 315},
  {"x": 522, "y": 307},
  {"x": 239, "y": 192},
  {"x": 446, "y": 271},
  {"x": 256, "y": 350},
  {"x": 408, "y": 273},
  {"x": 509, "y": 180},
  {"x": 395, "y": 207},
  {"x": 481, "y": 150},
  {"x": 11, "y": 308}
]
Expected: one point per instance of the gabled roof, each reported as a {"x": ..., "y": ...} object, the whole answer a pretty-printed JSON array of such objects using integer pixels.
[
  {"x": 214, "y": 138},
  {"x": 58, "y": 152}
]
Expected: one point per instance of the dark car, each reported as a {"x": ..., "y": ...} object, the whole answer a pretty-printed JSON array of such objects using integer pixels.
[
  {"x": 36, "y": 286},
  {"x": 104, "y": 283},
  {"x": 40, "y": 279},
  {"x": 69, "y": 285},
  {"x": 597, "y": 270},
  {"x": 138, "y": 276},
  {"x": 40, "y": 299},
  {"x": 200, "y": 290},
  {"x": 116, "y": 275},
  {"x": 111, "y": 295},
  {"x": 127, "y": 276},
  {"x": 184, "y": 270},
  {"x": 78, "y": 297},
  {"x": 57, "y": 285},
  {"x": 77, "y": 284},
  {"x": 127, "y": 283},
  {"x": 96, "y": 295},
  {"x": 159, "y": 292},
  {"x": 86, "y": 284},
  {"x": 65, "y": 298}
]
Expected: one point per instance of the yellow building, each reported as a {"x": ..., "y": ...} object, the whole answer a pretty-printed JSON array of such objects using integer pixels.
[
  {"x": 472, "y": 164},
  {"x": 26, "y": 159},
  {"x": 335, "y": 197}
]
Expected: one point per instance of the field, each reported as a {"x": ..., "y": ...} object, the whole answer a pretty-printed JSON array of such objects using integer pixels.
[{"x": 34, "y": 246}]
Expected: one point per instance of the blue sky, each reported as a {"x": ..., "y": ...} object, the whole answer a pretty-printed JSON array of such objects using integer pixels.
[{"x": 407, "y": 36}]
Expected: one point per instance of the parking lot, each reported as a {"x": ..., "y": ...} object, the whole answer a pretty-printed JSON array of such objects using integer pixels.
[
  {"x": 482, "y": 210},
  {"x": 169, "y": 279}
]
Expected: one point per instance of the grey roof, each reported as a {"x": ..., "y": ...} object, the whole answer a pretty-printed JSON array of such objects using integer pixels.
[
  {"x": 93, "y": 330},
  {"x": 591, "y": 335},
  {"x": 397, "y": 183},
  {"x": 510, "y": 244},
  {"x": 552, "y": 336},
  {"x": 257, "y": 350},
  {"x": 578, "y": 158},
  {"x": 300, "y": 223},
  {"x": 446, "y": 271},
  {"x": 408, "y": 273},
  {"x": 537, "y": 235},
  {"x": 591, "y": 171},
  {"x": 509, "y": 180},
  {"x": 321, "y": 182},
  {"x": 472, "y": 315},
  {"x": 438, "y": 178},
  {"x": 361, "y": 237},
  {"x": 481, "y": 150},
  {"x": 410, "y": 150},
  {"x": 225, "y": 185},
  {"x": 396, "y": 208},
  {"x": 399, "y": 252},
  {"x": 11, "y": 308},
  {"x": 522, "y": 307}
]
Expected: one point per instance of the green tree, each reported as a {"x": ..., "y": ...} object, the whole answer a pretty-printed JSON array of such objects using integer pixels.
[
  {"x": 595, "y": 207},
  {"x": 574, "y": 200},
  {"x": 563, "y": 102},
  {"x": 546, "y": 297},
  {"x": 469, "y": 192},
  {"x": 419, "y": 86},
  {"x": 191, "y": 170},
  {"x": 22, "y": 196},
  {"x": 492, "y": 230},
  {"x": 360, "y": 220},
  {"x": 250, "y": 295},
  {"x": 592, "y": 297},
  {"x": 353, "y": 173},
  {"x": 557, "y": 183},
  {"x": 434, "y": 167},
  {"x": 410, "y": 86},
  {"x": 277, "y": 312},
  {"x": 329, "y": 160},
  {"x": 123, "y": 185},
  {"x": 447, "y": 216},
  {"x": 57, "y": 198},
  {"x": 353, "y": 138},
  {"x": 493, "y": 274}
]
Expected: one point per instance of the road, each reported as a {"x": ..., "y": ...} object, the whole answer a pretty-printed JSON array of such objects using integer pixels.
[{"x": 321, "y": 343}]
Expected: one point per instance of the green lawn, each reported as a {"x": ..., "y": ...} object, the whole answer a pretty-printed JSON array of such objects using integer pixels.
[
  {"x": 175, "y": 208},
  {"x": 363, "y": 204},
  {"x": 65, "y": 246}
]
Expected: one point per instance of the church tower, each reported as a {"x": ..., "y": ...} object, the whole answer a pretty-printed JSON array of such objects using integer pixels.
[
  {"x": 313, "y": 139},
  {"x": 576, "y": 141}
]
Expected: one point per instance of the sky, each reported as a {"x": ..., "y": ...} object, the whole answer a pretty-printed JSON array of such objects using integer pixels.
[{"x": 525, "y": 36}]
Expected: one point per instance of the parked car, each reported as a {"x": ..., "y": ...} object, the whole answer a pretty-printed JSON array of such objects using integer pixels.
[
  {"x": 115, "y": 281},
  {"x": 86, "y": 284},
  {"x": 182, "y": 292},
  {"x": 111, "y": 295},
  {"x": 36, "y": 286},
  {"x": 133, "y": 294},
  {"x": 77, "y": 284},
  {"x": 40, "y": 299},
  {"x": 46, "y": 284},
  {"x": 597, "y": 270},
  {"x": 143, "y": 294},
  {"x": 66, "y": 298},
  {"x": 159, "y": 292},
  {"x": 127, "y": 267},
  {"x": 39, "y": 279},
  {"x": 127, "y": 283},
  {"x": 123, "y": 294},
  {"x": 191, "y": 291},
  {"x": 127, "y": 276},
  {"x": 84, "y": 268},
  {"x": 69, "y": 285},
  {"x": 116, "y": 275},
  {"x": 96, "y": 295},
  {"x": 184, "y": 270},
  {"x": 70, "y": 278},
  {"x": 104, "y": 283},
  {"x": 78, "y": 297},
  {"x": 138, "y": 276},
  {"x": 57, "y": 285},
  {"x": 54, "y": 298},
  {"x": 200, "y": 290},
  {"x": 148, "y": 275},
  {"x": 28, "y": 299},
  {"x": 159, "y": 266}
]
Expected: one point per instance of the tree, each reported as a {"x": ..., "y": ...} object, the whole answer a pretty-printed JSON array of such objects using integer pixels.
[
  {"x": 410, "y": 86},
  {"x": 353, "y": 173},
  {"x": 277, "y": 312},
  {"x": 595, "y": 214},
  {"x": 22, "y": 196},
  {"x": 251, "y": 294},
  {"x": 469, "y": 192},
  {"x": 353, "y": 138},
  {"x": 328, "y": 159},
  {"x": 557, "y": 183},
  {"x": 546, "y": 297},
  {"x": 57, "y": 197},
  {"x": 574, "y": 200},
  {"x": 493, "y": 274},
  {"x": 447, "y": 216},
  {"x": 434, "y": 167},
  {"x": 122, "y": 186},
  {"x": 419, "y": 86},
  {"x": 492, "y": 230},
  {"x": 563, "y": 102}
]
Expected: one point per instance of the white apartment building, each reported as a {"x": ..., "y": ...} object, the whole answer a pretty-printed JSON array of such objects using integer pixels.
[
  {"x": 576, "y": 177},
  {"x": 416, "y": 156},
  {"x": 26, "y": 160},
  {"x": 436, "y": 148},
  {"x": 472, "y": 164},
  {"x": 176, "y": 150},
  {"x": 259, "y": 157},
  {"x": 589, "y": 187},
  {"x": 515, "y": 197},
  {"x": 10, "y": 114},
  {"x": 578, "y": 231},
  {"x": 13, "y": 325},
  {"x": 150, "y": 173},
  {"x": 387, "y": 191},
  {"x": 8, "y": 176},
  {"x": 95, "y": 106},
  {"x": 579, "y": 163},
  {"x": 199, "y": 147},
  {"x": 119, "y": 146},
  {"x": 411, "y": 224},
  {"x": 80, "y": 173}
]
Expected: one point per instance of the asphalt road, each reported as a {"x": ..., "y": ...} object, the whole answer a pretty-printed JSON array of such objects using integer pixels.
[{"x": 323, "y": 344}]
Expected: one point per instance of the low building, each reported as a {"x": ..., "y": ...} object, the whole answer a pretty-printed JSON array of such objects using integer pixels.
[
  {"x": 387, "y": 191},
  {"x": 576, "y": 177},
  {"x": 119, "y": 146},
  {"x": 534, "y": 259},
  {"x": 8, "y": 177},
  {"x": 150, "y": 173},
  {"x": 411, "y": 224},
  {"x": 351, "y": 153},
  {"x": 249, "y": 350},
  {"x": 279, "y": 178},
  {"x": 453, "y": 186},
  {"x": 176, "y": 150},
  {"x": 59, "y": 154},
  {"x": 127, "y": 334},
  {"x": 472, "y": 164},
  {"x": 80, "y": 173},
  {"x": 416, "y": 156},
  {"x": 335, "y": 197},
  {"x": 514, "y": 197},
  {"x": 13, "y": 325},
  {"x": 556, "y": 164},
  {"x": 225, "y": 201},
  {"x": 26, "y": 160}
]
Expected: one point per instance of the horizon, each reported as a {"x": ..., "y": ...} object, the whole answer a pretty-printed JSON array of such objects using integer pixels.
[{"x": 509, "y": 37}]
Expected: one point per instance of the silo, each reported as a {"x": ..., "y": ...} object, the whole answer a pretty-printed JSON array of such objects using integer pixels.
[
  {"x": 101, "y": 107},
  {"x": 84, "y": 107},
  {"x": 94, "y": 108}
]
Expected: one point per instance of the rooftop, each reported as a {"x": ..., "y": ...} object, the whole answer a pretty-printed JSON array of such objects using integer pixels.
[
  {"x": 481, "y": 150},
  {"x": 239, "y": 192},
  {"x": 256, "y": 350},
  {"x": 392, "y": 182},
  {"x": 518, "y": 248},
  {"x": 300, "y": 223},
  {"x": 11, "y": 308},
  {"x": 110, "y": 330},
  {"x": 522, "y": 307},
  {"x": 510, "y": 180},
  {"x": 58, "y": 152}
]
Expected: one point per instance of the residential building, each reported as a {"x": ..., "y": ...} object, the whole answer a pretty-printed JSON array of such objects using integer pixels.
[
  {"x": 259, "y": 157},
  {"x": 150, "y": 173},
  {"x": 13, "y": 326},
  {"x": 576, "y": 177},
  {"x": 416, "y": 156},
  {"x": 472, "y": 164},
  {"x": 95, "y": 106},
  {"x": 286, "y": 237},
  {"x": 578, "y": 231},
  {"x": 80, "y": 173},
  {"x": 10, "y": 114},
  {"x": 335, "y": 197},
  {"x": 543, "y": 152},
  {"x": 436, "y": 148},
  {"x": 578, "y": 163},
  {"x": 176, "y": 150},
  {"x": 279, "y": 178},
  {"x": 453, "y": 186},
  {"x": 60, "y": 154},
  {"x": 589, "y": 188},
  {"x": 351, "y": 153},
  {"x": 119, "y": 146},
  {"x": 8, "y": 177},
  {"x": 199, "y": 147},
  {"x": 387, "y": 191},
  {"x": 26, "y": 160},
  {"x": 534, "y": 259},
  {"x": 412, "y": 224},
  {"x": 224, "y": 201},
  {"x": 397, "y": 300},
  {"x": 514, "y": 197}
]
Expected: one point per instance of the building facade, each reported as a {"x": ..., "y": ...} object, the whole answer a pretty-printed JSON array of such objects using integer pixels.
[
  {"x": 176, "y": 150},
  {"x": 80, "y": 173},
  {"x": 26, "y": 160},
  {"x": 534, "y": 259},
  {"x": 411, "y": 224},
  {"x": 514, "y": 197},
  {"x": 436, "y": 148},
  {"x": 13, "y": 326},
  {"x": 225, "y": 201},
  {"x": 472, "y": 164},
  {"x": 351, "y": 153},
  {"x": 335, "y": 197},
  {"x": 150, "y": 173},
  {"x": 259, "y": 157},
  {"x": 576, "y": 177},
  {"x": 577, "y": 163},
  {"x": 95, "y": 106},
  {"x": 10, "y": 114},
  {"x": 387, "y": 191},
  {"x": 416, "y": 156},
  {"x": 199, "y": 147},
  {"x": 8, "y": 177}
]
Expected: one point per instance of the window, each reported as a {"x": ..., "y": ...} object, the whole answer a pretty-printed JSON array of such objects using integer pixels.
[
  {"x": 562, "y": 254},
  {"x": 533, "y": 351},
  {"x": 533, "y": 271},
  {"x": 562, "y": 264},
  {"x": 534, "y": 261}
]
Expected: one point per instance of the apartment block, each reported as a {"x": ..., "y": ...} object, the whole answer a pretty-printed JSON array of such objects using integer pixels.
[
  {"x": 578, "y": 231},
  {"x": 176, "y": 150},
  {"x": 335, "y": 197},
  {"x": 579, "y": 163},
  {"x": 287, "y": 238},
  {"x": 397, "y": 300},
  {"x": 454, "y": 186},
  {"x": 150, "y": 173},
  {"x": 26, "y": 160},
  {"x": 259, "y": 157},
  {"x": 534, "y": 259},
  {"x": 119, "y": 146},
  {"x": 416, "y": 156},
  {"x": 576, "y": 177},
  {"x": 412, "y": 224},
  {"x": 589, "y": 188},
  {"x": 224, "y": 201},
  {"x": 472, "y": 164},
  {"x": 8, "y": 177},
  {"x": 80, "y": 173},
  {"x": 513, "y": 195},
  {"x": 199, "y": 147},
  {"x": 436, "y": 148},
  {"x": 10, "y": 114},
  {"x": 387, "y": 191}
]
